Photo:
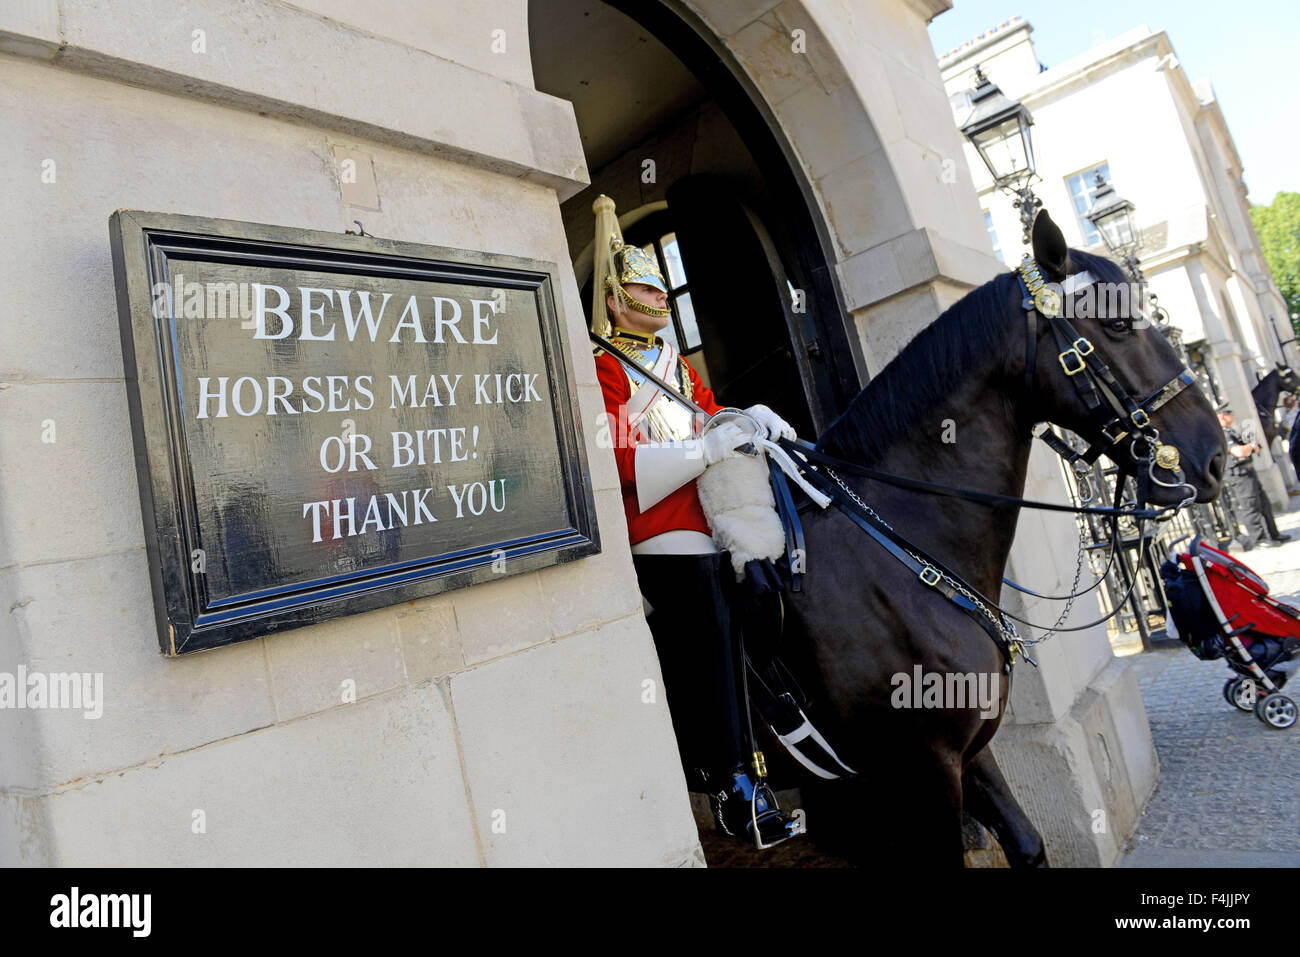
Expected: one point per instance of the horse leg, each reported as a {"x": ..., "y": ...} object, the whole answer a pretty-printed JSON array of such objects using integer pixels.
[
  {"x": 905, "y": 811},
  {"x": 990, "y": 801}
]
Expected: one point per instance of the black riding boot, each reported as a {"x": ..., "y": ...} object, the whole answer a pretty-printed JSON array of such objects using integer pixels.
[{"x": 691, "y": 622}]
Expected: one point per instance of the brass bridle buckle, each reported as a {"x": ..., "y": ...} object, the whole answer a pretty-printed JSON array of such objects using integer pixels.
[
  {"x": 1140, "y": 418},
  {"x": 930, "y": 575},
  {"x": 1078, "y": 348},
  {"x": 1078, "y": 357}
]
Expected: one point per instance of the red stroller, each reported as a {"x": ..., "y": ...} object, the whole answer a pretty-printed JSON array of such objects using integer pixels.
[{"x": 1219, "y": 608}]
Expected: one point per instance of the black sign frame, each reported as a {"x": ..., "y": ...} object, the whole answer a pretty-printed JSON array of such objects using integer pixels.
[{"x": 144, "y": 244}]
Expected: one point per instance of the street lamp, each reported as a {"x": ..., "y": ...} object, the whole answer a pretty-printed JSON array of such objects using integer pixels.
[
  {"x": 1112, "y": 216},
  {"x": 998, "y": 128}
]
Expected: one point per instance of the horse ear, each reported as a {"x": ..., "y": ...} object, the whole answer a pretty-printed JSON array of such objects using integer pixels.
[{"x": 1049, "y": 247}]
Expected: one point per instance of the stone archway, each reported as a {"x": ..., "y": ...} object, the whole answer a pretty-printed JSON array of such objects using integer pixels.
[{"x": 853, "y": 95}]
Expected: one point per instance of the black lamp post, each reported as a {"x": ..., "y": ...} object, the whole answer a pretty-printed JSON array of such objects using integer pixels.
[
  {"x": 1112, "y": 216},
  {"x": 998, "y": 128}
]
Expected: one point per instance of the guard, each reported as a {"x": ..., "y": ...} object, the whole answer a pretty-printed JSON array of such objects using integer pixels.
[{"x": 679, "y": 568}]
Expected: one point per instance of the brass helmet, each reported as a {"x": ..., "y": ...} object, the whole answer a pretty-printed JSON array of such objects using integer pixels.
[{"x": 616, "y": 265}]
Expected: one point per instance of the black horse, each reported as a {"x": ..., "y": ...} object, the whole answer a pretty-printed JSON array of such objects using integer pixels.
[
  {"x": 862, "y": 618},
  {"x": 1266, "y": 393}
]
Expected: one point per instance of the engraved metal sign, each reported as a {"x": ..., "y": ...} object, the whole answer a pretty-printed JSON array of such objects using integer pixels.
[{"x": 326, "y": 424}]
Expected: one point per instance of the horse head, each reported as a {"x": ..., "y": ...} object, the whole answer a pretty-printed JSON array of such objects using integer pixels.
[
  {"x": 1115, "y": 379},
  {"x": 1289, "y": 379}
]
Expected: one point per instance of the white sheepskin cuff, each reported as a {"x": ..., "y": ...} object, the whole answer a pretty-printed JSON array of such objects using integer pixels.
[{"x": 736, "y": 495}]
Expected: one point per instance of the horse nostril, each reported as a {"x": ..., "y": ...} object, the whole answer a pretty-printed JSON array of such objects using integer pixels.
[{"x": 1216, "y": 466}]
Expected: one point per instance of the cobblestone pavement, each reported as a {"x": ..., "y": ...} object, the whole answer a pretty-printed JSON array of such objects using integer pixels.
[{"x": 1229, "y": 789}]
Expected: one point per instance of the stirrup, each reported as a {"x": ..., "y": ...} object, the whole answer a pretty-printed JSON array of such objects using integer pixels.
[{"x": 750, "y": 812}]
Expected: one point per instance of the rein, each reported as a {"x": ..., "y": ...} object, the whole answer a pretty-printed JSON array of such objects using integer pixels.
[{"x": 810, "y": 452}]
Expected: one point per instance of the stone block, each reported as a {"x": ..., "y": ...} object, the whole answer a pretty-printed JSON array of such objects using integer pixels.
[
  {"x": 600, "y": 588},
  {"x": 886, "y": 327},
  {"x": 729, "y": 16},
  {"x": 553, "y": 137},
  {"x": 563, "y": 787},
  {"x": 429, "y": 638},
  {"x": 820, "y": 52},
  {"x": 764, "y": 50},
  {"x": 444, "y": 30},
  {"x": 600, "y": 456},
  {"x": 25, "y": 837},
  {"x": 938, "y": 193},
  {"x": 863, "y": 203},
  {"x": 356, "y": 172},
  {"x": 95, "y": 615},
  {"x": 500, "y": 617},
  {"x": 1135, "y": 750},
  {"x": 1049, "y": 768},
  {"x": 828, "y": 130},
  {"x": 76, "y": 495},
  {"x": 316, "y": 667},
  {"x": 30, "y": 28},
  {"x": 377, "y": 783}
]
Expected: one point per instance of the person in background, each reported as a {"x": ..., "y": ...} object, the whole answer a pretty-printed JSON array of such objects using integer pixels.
[{"x": 1249, "y": 502}]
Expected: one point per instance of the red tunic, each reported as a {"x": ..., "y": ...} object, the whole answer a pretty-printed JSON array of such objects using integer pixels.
[{"x": 681, "y": 507}]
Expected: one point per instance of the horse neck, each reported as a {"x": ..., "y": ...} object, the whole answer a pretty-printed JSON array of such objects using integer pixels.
[
  {"x": 1267, "y": 390},
  {"x": 972, "y": 440}
]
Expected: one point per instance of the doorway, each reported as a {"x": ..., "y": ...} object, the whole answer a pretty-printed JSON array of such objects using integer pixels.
[{"x": 702, "y": 179}]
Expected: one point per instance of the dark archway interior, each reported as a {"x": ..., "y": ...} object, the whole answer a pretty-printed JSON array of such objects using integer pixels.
[{"x": 663, "y": 120}]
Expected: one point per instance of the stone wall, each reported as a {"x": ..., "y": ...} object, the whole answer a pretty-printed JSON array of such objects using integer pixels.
[{"x": 473, "y": 739}]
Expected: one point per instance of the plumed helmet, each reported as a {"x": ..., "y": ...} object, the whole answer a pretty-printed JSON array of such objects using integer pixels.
[
  {"x": 616, "y": 265},
  {"x": 633, "y": 265}
]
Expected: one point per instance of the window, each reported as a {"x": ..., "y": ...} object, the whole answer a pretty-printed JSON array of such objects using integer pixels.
[
  {"x": 683, "y": 331},
  {"x": 993, "y": 235},
  {"x": 1083, "y": 187}
]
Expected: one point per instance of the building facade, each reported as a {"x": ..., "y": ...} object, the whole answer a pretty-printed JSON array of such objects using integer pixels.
[{"x": 514, "y": 722}]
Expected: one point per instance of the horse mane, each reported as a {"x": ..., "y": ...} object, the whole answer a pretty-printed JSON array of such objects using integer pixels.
[
  {"x": 1267, "y": 378},
  {"x": 930, "y": 366}
]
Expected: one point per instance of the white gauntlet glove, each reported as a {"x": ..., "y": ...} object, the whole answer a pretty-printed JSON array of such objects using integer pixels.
[
  {"x": 718, "y": 443},
  {"x": 664, "y": 467},
  {"x": 775, "y": 425}
]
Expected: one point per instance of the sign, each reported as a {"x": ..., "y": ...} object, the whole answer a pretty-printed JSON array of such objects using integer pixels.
[{"x": 326, "y": 424}]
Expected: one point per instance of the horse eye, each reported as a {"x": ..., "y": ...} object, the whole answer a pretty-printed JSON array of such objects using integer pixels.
[{"x": 1119, "y": 325}]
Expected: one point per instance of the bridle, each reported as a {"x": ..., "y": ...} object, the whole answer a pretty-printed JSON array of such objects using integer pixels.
[
  {"x": 1119, "y": 416},
  {"x": 1117, "y": 413}
]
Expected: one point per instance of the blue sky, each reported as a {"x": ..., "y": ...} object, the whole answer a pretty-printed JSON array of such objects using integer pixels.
[{"x": 1249, "y": 50}]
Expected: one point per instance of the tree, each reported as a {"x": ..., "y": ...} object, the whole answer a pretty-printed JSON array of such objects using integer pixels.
[{"x": 1278, "y": 225}]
